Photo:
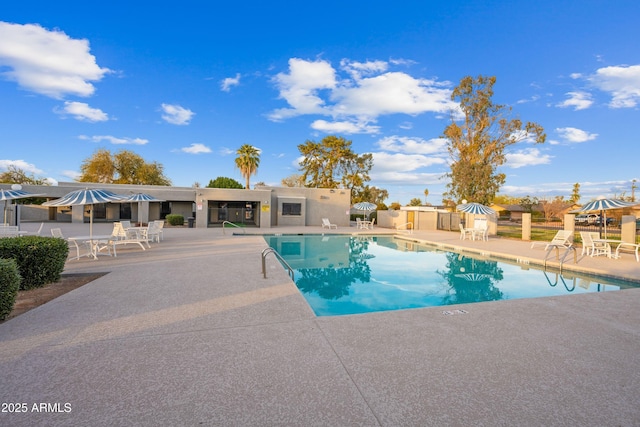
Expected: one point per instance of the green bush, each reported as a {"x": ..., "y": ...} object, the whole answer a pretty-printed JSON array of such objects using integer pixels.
[
  {"x": 175, "y": 219},
  {"x": 40, "y": 260},
  {"x": 9, "y": 285}
]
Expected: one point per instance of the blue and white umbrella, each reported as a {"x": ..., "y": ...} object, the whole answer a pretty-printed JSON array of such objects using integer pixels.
[
  {"x": 476, "y": 209},
  {"x": 139, "y": 197},
  {"x": 367, "y": 207},
  {"x": 604, "y": 205},
  {"x": 88, "y": 196},
  {"x": 13, "y": 194}
]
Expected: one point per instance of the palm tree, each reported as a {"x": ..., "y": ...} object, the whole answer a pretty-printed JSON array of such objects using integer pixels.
[{"x": 247, "y": 161}]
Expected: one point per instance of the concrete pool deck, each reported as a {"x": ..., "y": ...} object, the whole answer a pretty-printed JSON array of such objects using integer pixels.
[{"x": 190, "y": 333}]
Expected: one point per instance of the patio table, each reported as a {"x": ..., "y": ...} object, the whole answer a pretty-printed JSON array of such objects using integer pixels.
[{"x": 93, "y": 242}]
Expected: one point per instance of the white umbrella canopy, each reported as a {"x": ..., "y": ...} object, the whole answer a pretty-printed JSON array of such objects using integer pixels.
[
  {"x": 367, "y": 207},
  {"x": 603, "y": 205},
  {"x": 140, "y": 197},
  {"x": 476, "y": 209},
  {"x": 13, "y": 194},
  {"x": 88, "y": 196}
]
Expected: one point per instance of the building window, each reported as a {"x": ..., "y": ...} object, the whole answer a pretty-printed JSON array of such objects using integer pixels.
[{"x": 292, "y": 209}]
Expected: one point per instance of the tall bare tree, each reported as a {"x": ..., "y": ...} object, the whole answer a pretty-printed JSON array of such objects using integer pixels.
[{"x": 477, "y": 143}]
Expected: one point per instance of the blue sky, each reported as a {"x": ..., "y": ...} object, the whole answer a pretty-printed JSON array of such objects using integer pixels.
[{"x": 186, "y": 84}]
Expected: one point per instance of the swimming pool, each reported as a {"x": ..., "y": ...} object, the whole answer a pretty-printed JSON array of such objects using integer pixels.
[{"x": 340, "y": 274}]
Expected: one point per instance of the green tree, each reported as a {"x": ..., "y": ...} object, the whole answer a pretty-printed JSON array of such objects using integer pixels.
[
  {"x": 15, "y": 175},
  {"x": 477, "y": 144},
  {"x": 224, "y": 182},
  {"x": 575, "y": 195},
  {"x": 331, "y": 162},
  {"x": 395, "y": 206},
  {"x": 426, "y": 194},
  {"x": 370, "y": 194},
  {"x": 527, "y": 203},
  {"x": 248, "y": 161},
  {"x": 123, "y": 167},
  {"x": 415, "y": 202}
]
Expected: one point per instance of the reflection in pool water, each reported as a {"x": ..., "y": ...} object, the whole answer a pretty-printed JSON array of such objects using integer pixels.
[{"x": 361, "y": 274}]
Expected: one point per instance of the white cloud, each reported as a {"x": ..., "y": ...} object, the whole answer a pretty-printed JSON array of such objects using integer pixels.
[
  {"x": 229, "y": 82},
  {"x": 20, "y": 164},
  {"x": 114, "y": 140},
  {"x": 47, "y": 62},
  {"x": 300, "y": 88},
  {"x": 385, "y": 162},
  {"x": 365, "y": 91},
  {"x": 176, "y": 115},
  {"x": 196, "y": 149},
  {"x": 344, "y": 127},
  {"x": 577, "y": 100},
  {"x": 358, "y": 69},
  {"x": 73, "y": 175},
  {"x": 622, "y": 82},
  {"x": 527, "y": 157},
  {"x": 81, "y": 111},
  {"x": 401, "y": 144},
  {"x": 574, "y": 135},
  {"x": 392, "y": 93}
]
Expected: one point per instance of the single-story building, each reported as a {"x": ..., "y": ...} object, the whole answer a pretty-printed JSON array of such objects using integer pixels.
[{"x": 262, "y": 207}]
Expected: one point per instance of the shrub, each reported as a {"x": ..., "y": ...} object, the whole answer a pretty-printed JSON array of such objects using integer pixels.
[
  {"x": 175, "y": 219},
  {"x": 40, "y": 260},
  {"x": 9, "y": 285}
]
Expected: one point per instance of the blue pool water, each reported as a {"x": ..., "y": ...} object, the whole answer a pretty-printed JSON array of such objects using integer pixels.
[{"x": 361, "y": 274}]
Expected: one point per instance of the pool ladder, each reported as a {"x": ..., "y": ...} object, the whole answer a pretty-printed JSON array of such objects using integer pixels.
[
  {"x": 561, "y": 259},
  {"x": 268, "y": 251}
]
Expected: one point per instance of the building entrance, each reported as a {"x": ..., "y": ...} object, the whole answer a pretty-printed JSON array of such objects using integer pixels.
[{"x": 241, "y": 213}]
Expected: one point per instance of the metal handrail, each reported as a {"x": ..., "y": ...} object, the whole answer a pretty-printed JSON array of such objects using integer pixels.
[
  {"x": 234, "y": 225},
  {"x": 268, "y": 251},
  {"x": 564, "y": 255},
  {"x": 410, "y": 230}
]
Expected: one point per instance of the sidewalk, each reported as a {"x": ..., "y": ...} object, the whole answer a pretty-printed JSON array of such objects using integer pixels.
[{"x": 190, "y": 333}]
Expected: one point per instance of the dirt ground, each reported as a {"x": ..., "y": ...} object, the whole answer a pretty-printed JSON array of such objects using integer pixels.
[{"x": 33, "y": 298}]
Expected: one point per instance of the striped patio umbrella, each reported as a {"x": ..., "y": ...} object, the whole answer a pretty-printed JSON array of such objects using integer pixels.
[
  {"x": 88, "y": 196},
  {"x": 603, "y": 205},
  {"x": 139, "y": 197},
  {"x": 476, "y": 209},
  {"x": 367, "y": 207},
  {"x": 12, "y": 194}
]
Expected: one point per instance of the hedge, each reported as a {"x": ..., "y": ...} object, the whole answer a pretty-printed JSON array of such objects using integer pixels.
[
  {"x": 9, "y": 285},
  {"x": 40, "y": 260},
  {"x": 175, "y": 219}
]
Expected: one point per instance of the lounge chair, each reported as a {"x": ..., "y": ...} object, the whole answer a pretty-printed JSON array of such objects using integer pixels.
[
  {"x": 563, "y": 238},
  {"x": 591, "y": 246},
  {"x": 327, "y": 224}
]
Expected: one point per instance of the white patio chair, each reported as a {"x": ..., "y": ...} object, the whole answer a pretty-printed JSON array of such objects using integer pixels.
[
  {"x": 160, "y": 224},
  {"x": 327, "y": 224},
  {"x": 464, "y": 232},
  {"x": 151, "y": 233},
  {"x": 592, "y": 247}
]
